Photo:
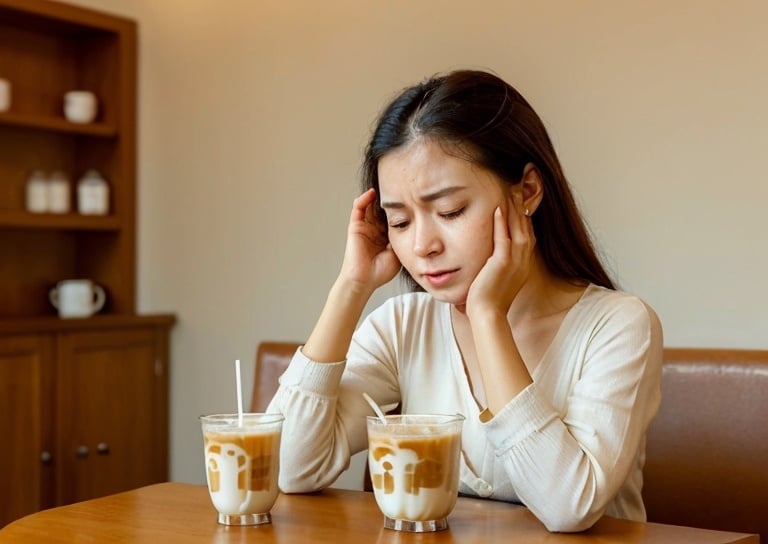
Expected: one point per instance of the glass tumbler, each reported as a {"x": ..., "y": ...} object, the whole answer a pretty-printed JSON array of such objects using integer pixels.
[
  {"x": 242, "y": 464},
  {"x": 414, "y": 465}
]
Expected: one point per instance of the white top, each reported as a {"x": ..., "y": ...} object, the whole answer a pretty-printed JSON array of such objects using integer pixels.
[{"x": 571, "y": 446}]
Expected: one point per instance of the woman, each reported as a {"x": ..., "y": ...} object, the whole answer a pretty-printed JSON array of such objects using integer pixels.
[{"x": 512, "y": 322}]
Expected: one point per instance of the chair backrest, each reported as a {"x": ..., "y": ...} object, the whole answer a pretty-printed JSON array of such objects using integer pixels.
[
  {"x": 707, "y": 450},
  {"x": 272, "y": 359}
]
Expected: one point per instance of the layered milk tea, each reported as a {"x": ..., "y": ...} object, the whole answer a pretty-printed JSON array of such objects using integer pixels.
[
  {"x": 415, "y": 465},
  {"x": 242, "y": 464}
]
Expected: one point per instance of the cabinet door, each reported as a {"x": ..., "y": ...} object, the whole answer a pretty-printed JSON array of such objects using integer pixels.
[
  {"x": 112, "y": 422},
  {"x": 26, "y": 426}
]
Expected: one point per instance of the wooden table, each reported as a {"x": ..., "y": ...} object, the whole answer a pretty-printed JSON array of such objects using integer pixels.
[{"x": 174, "y": 512}]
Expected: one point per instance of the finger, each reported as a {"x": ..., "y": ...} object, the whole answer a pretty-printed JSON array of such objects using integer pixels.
[
  {"x": 361, "y": 204},
  {"x": 500, "y": 233}
]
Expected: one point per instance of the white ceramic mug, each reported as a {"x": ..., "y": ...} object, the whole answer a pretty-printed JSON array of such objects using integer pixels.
[
  {"x": 77, "y": 298},
  {"x": 80, "y": 106},
  {"x": 5, "y": 94}
]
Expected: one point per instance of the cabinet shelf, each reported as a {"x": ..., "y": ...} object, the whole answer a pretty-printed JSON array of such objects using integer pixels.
[
  {"x": 69, "y": 221},
  {"x": 56, "y": 124},
  {"x": 48, "y": 48},
  {"x": 27, "y": 325}
]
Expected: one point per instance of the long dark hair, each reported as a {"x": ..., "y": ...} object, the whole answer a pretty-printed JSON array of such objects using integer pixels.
[{"x": 481, "y": 116}]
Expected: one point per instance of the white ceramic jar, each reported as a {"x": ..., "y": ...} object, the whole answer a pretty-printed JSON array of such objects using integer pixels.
[
  {"x": 37, "y": 192},
  {"x": 92, "y": 194},
  {"x": 80, "y": 106}
]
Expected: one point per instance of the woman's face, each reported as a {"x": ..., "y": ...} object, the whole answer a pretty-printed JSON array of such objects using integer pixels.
[{"x": 439, "y": 211}]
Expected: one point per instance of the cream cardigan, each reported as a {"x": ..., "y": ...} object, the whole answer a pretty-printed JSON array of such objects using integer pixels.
[{"x": 571, "y": 446}]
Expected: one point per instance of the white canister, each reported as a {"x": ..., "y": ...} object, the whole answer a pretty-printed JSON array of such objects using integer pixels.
[
  {"x": 58, "y": 193},
  {"x": 37, "y": 193},
  {"x": 5, "y": 94},
  {"x": 92, "y": 194}
]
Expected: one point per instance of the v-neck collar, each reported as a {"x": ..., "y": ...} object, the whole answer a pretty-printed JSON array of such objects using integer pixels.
[
  {"x": 457, "y": 360},
  {"x": 561, "y": 330}
]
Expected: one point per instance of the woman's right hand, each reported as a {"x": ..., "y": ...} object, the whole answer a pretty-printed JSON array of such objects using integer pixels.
[{"x": 369, "y": 261}]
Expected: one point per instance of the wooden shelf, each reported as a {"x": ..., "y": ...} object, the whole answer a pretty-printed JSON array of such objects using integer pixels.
[
  {"x": 25, "y": 325},
  {"x": 48, "y": 48},
  {"x": 56, "y": 124},
  {"x": 68, "y": 221}
]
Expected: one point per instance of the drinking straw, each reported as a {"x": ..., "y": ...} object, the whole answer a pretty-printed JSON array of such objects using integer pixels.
[
  {"x": 239, "y": 393},
  {"x": 375, "y": 407}
]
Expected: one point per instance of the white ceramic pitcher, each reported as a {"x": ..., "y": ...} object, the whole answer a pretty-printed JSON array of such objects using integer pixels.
[{"x": 77, "y": 298}]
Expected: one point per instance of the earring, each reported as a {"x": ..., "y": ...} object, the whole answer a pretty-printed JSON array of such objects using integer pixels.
[{"x": 527, "y": 212}]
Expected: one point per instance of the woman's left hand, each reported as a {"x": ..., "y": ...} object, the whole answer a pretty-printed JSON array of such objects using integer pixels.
[{"x": 507, "y": 269}]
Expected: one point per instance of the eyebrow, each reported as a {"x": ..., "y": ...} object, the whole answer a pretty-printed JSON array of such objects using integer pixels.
[{"x": 429, "y": 197}]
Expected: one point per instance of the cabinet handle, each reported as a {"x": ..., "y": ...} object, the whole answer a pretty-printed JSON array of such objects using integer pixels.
[
  {"x": 102, "y": 448},
  {"x": 46, "y": 457},
  {"x": 82, "y": 452}
]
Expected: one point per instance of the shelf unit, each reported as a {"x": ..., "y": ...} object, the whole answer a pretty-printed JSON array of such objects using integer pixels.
[
  {"x": 85, "y": 401},
  {"x": 46, "y": 49}
]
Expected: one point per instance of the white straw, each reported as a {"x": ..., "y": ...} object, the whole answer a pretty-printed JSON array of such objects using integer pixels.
[
  {"x": 375, "y": 407},
  {"x": 239, "y": 393}
]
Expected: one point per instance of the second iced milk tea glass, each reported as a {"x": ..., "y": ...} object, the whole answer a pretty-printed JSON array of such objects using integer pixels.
[{"x": 414, "y": 465}]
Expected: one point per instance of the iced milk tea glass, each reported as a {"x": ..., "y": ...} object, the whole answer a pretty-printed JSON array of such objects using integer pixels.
[
  {"x": 242, "y": 463},
  {"x": 414, "y": 465}
]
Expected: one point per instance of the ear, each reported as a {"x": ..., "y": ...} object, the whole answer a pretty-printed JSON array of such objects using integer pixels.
[{"x": 532, "y": 188}]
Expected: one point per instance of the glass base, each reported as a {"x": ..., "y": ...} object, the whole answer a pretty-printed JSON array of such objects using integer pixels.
[
  {"x": 428, "y": 526},
  {"x": 245, "y": 519}
]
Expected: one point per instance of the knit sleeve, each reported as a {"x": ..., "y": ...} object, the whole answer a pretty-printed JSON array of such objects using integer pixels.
[
  {"x": 567, "y": 465},
  {"x": 324, "y": 409}
]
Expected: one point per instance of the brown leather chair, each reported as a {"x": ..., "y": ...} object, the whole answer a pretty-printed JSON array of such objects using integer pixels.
[
  {"x": 707, "y": 450},
  {"x": 272, "y": 359}
]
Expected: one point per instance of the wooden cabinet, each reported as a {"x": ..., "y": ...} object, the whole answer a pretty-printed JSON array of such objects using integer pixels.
[
  {"x": 112, "y": 416},
  {"x": 26, "y": 426},
  {"x": 85, "y": 407},
  {"x": 84, "y": 402}
]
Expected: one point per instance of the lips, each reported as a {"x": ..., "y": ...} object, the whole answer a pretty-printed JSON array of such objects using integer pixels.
[{"x": 439, "y": 278}]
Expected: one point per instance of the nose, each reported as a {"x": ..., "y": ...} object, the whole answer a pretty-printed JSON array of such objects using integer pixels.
[{"x": 426, "y": 239}]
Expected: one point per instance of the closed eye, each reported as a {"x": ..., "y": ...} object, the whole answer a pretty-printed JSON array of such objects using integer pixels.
[{"x": 454, "y": 214}]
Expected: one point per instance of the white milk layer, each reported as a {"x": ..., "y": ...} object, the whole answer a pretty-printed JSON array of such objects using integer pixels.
[{"x": 428, "y": 505}]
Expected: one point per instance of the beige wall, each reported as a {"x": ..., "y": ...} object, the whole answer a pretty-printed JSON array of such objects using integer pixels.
[{"x": 253, "y": 115}]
